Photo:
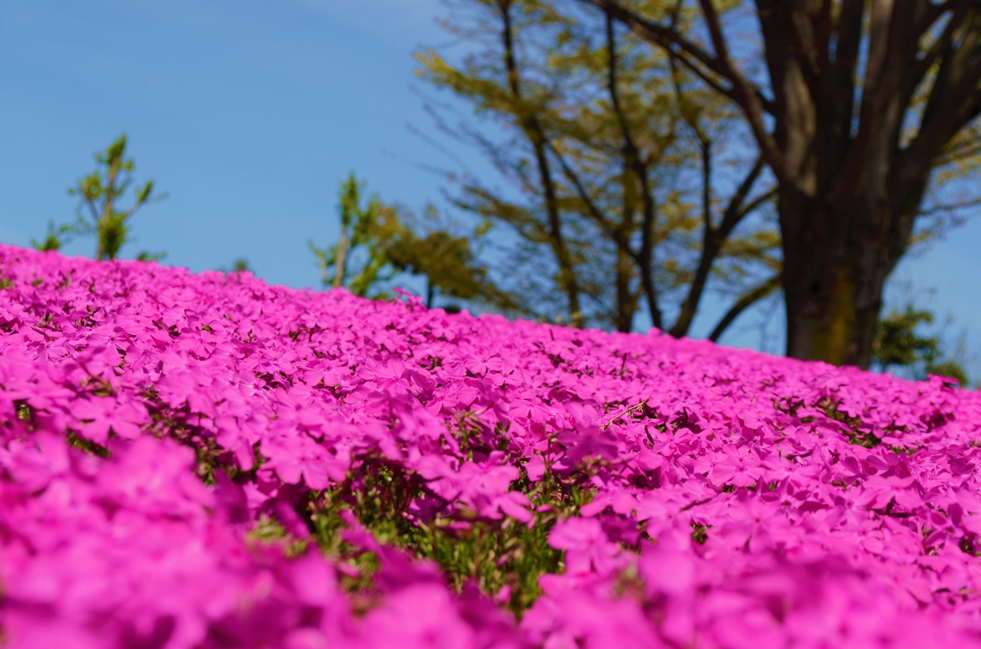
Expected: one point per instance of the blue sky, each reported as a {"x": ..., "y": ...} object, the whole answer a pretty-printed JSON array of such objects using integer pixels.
[{"x": 248, "y": 113}]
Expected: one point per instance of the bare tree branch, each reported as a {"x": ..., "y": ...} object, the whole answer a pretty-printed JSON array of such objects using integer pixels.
[
  {"x": 918, "y": 156},
  {"x": 744, "y": 93},
  {"x": 730, "y": 217},
  {"x": 535, "y": 133},
  {"x": 632, "y": 160},
  {"x": 746, "y": 301},
  {"x": 659, "y": 34},
  {"x": 592, "y": 210},
  {"x": 950, "y": 207},
  {"x": 942, "y": 47},
  {"x": 759, "y": 200},
  {"x": 712, "y": 240}
]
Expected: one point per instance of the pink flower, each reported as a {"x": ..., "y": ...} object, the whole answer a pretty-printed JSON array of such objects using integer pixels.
[{"x": 586, "y": 545}]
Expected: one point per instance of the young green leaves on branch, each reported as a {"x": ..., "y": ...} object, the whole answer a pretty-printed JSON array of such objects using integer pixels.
[
  {"x": 367, "y": 229},
  {"x": 376, "y": 243},
  {"x": 100, "y": 210}
]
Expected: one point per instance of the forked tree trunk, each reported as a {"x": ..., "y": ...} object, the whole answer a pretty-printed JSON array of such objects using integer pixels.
[{"x": 850, "y": 182}]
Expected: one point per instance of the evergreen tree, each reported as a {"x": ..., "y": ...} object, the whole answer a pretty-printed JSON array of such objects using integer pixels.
[{"x": 900, "y": 343}]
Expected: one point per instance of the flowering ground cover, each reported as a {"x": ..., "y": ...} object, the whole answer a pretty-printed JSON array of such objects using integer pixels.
[{"x": 207, "y": 461}]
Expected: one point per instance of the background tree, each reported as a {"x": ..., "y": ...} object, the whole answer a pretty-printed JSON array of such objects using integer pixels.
[
  {"x": 855, "y": 106},
  {"x": 448, "y": 264},
  {"x": 900, "y": 343},
  {"x": 377, "y": 242},
  {"x": 599, "y": 136},
  {"x": 369, "y": 229},
  {"x": 99, "y": 211}
]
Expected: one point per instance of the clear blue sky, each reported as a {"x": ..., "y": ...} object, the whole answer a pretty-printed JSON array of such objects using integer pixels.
[{"x": 248, "y": 113}]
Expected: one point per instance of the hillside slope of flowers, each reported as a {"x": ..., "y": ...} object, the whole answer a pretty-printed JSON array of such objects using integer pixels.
[{"x": 207, "y": 461}]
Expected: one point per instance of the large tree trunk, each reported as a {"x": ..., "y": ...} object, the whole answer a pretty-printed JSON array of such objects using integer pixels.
[
  {"x": 836, "y": 266},
  {"x": 850, "y": 185},
  {"x": 832, "y": 283},
  {"x": 845, "y": 221},
  {"x": 846, "y": 215}
]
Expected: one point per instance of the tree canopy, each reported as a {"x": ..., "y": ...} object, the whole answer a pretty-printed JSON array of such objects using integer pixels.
[{"x": 621, "y": 171}]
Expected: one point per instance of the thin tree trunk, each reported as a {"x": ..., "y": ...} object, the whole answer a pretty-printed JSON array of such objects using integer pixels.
[
  {"x": 534, "y": 132},
  {"x": 341, "y": 259},
  {"x": 632, "y": 162},
  {"x": 100, "y": 246},
  {"x": 626, "y": 298}
]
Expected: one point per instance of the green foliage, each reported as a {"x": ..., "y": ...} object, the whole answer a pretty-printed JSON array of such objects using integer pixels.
[
  {"x": 950, "y": 370},
  {"x": 900, "y": 343},
  {"x": 267, "y": 531},
  {"x": 494, "y": 553},
  {"x": 150, "y": 256},
  {"x": 856, "y": 434},
  {"x": 368, "y": 228},
  {"x": 56, "y": 237},
  {"x": 376, "y": 243},
  {"x": 87, "y": 445},
  {"x": 99, "y": 212},
  {"x": 241, "y": 264},
  {"x": 380, "y": 494},
  {"x": 896, "y": 339}
]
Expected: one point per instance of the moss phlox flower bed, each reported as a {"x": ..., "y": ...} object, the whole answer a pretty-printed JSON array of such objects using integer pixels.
[{"x": 203, "y": 461}]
